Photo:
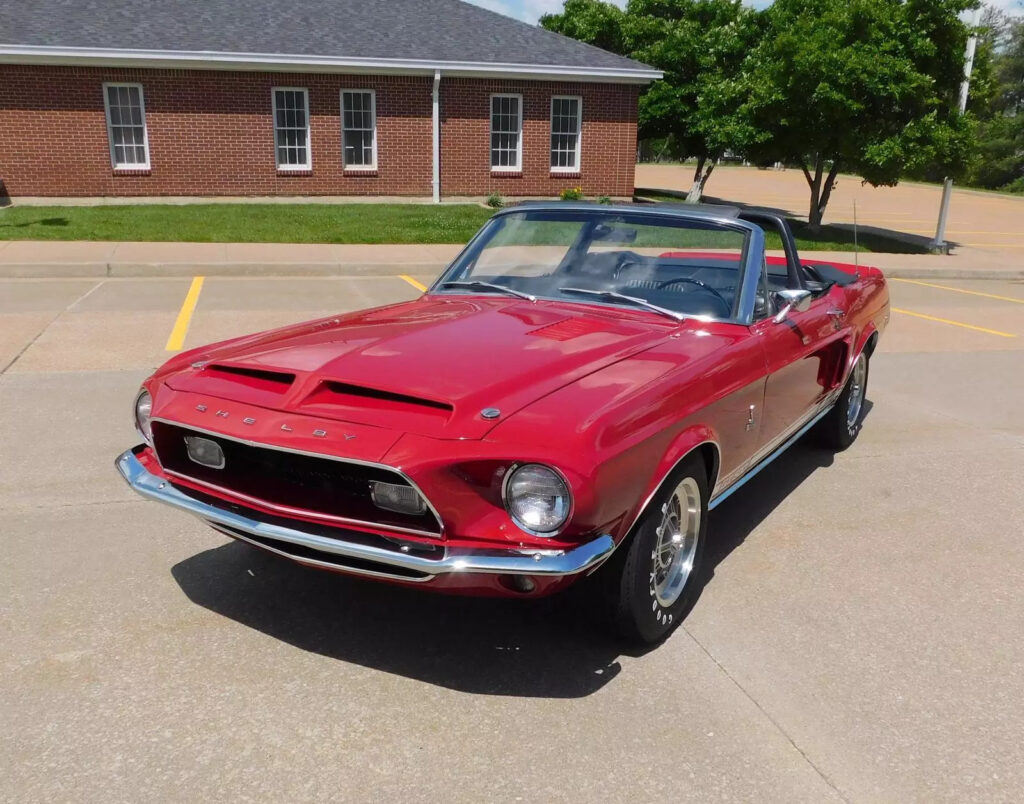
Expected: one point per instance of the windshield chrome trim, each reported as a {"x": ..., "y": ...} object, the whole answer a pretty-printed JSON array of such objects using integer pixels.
[{"x": 751, "y": 260}]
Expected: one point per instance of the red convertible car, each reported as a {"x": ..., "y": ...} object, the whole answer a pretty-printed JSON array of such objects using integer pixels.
[{"x": 569, "y": 400}]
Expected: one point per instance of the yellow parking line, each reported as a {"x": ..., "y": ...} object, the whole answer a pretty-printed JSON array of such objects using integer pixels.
[
  {"x": 177, "y": 338},
  {"x": 959, "y": 290},
  {"x": 418, "y": 285},
  {"x": 955, "y": 323}
]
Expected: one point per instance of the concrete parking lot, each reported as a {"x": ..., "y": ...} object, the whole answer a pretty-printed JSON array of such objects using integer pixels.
[
  {"x": 860, "y": 636},
  {"x": 980, "y": 223}
]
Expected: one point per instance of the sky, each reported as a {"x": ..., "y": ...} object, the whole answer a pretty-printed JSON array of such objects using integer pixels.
[{"x": 531, "y": 10}]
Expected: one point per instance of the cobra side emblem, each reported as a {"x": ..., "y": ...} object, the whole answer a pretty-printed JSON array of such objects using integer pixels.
[{"x": 750, "y": 419}]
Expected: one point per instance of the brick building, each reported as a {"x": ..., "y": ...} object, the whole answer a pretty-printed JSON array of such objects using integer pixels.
[{"x": 333, "y": 97}]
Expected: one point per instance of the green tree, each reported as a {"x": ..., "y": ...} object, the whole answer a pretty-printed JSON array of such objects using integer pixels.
[
  {"x": 998, "y": 101},
  {"x": 591, "y": 21},
  {"x": 698, "y": 44},
  {"x": 866, "y": 86}
]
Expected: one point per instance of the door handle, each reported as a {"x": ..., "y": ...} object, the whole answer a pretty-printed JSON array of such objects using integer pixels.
[{"x": 835, "y": 312}]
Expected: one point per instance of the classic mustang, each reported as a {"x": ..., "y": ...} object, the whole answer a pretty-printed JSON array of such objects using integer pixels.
[{"x": 569, "y": 400}]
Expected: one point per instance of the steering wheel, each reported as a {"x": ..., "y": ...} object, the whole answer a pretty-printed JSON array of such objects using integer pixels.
[
  {"x": 703, "y": 285},
  {"x": 625, "y": 260}
]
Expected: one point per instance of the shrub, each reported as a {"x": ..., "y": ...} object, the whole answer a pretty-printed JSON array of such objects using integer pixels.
[
  {"x": 495, "y": 201},
  {"x": 571, "y": 194},
  {"x": 604, "y": 199}
]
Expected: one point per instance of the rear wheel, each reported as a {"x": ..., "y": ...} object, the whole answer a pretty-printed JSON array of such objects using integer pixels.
[
  {"x": 839, "y": 428},
  {"x": 651, "y": 586}
]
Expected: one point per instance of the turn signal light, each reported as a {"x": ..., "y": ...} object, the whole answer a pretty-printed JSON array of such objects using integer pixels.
[{"x": 400, "y": 499}]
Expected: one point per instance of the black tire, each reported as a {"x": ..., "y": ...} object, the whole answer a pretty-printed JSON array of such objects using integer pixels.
[
  {"x": 840, "y": 427},
  {"x": 629, "y": 578}
]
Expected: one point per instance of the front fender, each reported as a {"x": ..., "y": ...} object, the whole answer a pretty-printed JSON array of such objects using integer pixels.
[{"x": 696, "y": 438}]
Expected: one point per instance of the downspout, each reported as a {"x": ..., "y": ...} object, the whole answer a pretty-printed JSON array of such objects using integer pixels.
[{"x": 436, "y": 144}]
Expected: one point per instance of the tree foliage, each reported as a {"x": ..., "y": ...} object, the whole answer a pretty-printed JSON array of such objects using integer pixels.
[
  {"x": 696, "y": 43},
  {"x": 997, "y": 99},
  {"x": 865, "y": 86}
]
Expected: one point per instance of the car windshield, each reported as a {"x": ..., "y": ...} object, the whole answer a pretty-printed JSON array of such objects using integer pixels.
[{"x": 677, "y": 266}]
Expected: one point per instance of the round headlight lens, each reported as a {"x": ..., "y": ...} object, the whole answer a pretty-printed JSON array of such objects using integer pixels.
[
  {"x": 143, "y": 414},
  {"x": 537, "y": 498}
]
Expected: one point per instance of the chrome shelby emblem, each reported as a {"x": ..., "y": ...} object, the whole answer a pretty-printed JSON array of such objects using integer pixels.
[{"x": 249, "y": 420}]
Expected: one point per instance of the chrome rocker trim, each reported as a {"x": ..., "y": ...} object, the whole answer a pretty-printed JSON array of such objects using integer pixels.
[
  {"x": 498, "y": 561},
  {"x": 737, "y": 484}
]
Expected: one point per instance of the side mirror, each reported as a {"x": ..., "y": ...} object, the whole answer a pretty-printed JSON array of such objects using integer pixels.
[{"x": 790, "y": 301}]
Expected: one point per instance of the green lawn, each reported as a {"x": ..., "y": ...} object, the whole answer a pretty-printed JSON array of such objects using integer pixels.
[
  {"x": 248, "y": 223},
  {"x": 317, "y": 223}
]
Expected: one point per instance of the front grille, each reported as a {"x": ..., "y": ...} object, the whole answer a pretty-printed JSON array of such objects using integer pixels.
[{"x": 305, "y": 483}]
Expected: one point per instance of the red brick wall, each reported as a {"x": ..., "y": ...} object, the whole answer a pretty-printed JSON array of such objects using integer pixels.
[
  {"x": 608, "y": 150},
  {"x": 211, "y": 133}
]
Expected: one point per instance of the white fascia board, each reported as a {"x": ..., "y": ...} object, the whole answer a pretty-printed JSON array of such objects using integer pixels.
[{"x": 277, "y": 62}]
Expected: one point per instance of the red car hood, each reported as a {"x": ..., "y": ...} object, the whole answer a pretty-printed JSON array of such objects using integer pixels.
[{"x": 428, "y": 367}]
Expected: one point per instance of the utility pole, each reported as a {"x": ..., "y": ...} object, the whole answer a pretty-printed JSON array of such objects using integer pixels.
[{"x": 939, "y": 243}]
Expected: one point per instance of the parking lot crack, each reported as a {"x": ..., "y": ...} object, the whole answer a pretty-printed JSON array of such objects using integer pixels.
[
  {"x": 49, "y": 324},
  {"x": 778, "y": 726}
]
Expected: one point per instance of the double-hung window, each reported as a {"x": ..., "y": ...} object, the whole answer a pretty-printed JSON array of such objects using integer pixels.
[
  {"x": 126, "y": 126},
  {"x": 359, "y": 129},
  {"x": 506, "y": 133},
  {"x": 291, "y": 128},
  {"x": 566, "y": 117}
]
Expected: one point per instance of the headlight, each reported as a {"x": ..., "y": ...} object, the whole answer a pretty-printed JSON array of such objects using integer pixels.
[
  {"x": 537, "y": 498},
  {"x": 143, "y": 414}
]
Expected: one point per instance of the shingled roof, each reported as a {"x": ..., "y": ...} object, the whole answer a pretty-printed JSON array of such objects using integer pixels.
[{"x": 361, "y": 35}]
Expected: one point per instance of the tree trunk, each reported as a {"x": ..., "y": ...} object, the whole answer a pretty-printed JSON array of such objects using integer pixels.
[
  {"x": 820, "y": 192},
  {"x": 705, "y": 166},
  {"x": 700, "y": 167}
]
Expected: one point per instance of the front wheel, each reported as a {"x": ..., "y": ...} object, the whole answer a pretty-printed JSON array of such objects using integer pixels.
[
  {"x": 839, "y": 428},
  {"x": 651, "y": 587}
]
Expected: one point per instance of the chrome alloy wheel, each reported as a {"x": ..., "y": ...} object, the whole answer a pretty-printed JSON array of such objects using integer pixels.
[
  {"x": 857, "y": 387},
  {"x": 676, "y": 547}
]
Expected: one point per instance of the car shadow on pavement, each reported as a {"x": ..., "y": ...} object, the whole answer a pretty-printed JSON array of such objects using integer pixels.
[
  {"x": 549, "y": 648},
  {"x": 531, "y": 648}
]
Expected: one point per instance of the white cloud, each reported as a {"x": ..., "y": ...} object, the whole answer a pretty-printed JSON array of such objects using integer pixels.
[{"x": 531, "y": 10}]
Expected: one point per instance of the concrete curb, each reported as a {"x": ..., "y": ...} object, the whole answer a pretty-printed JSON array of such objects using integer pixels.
[
  {"x": 1011, "y": 275},
  {"x": 126, "y": 270},
  {"x": 151, "y": 270}
]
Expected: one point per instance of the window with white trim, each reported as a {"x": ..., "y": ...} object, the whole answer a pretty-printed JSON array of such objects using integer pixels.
[
  {"x": 506, "y": 133},
  {"x": 126, "y": 126},
  {"x": 359, "y": 129},
  {"x": 566, "y": 119},
  {"x": 291, "y": 128}
]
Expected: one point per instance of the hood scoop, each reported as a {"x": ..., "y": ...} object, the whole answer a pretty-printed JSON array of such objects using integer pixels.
[
  {"x": 255, "y": 378},
  {"x": 256, "y": 386},
  {"x": 335, "y": 399}
]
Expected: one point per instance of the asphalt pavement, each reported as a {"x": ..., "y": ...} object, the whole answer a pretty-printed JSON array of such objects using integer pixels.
[{"x": 859, "y": 636}]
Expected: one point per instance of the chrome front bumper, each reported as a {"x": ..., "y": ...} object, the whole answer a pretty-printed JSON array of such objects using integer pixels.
[{"x": 372, "y": 561}]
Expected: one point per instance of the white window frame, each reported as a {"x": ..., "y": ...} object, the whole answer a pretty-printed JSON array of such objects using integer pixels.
[
  {"x": 518, "y": 167},
  {"x": 579, "y": 133},
  {"x": 308, "y": 166},
  {"x": 110, "y": 126},
  {"x": 373, "y": 116}
]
